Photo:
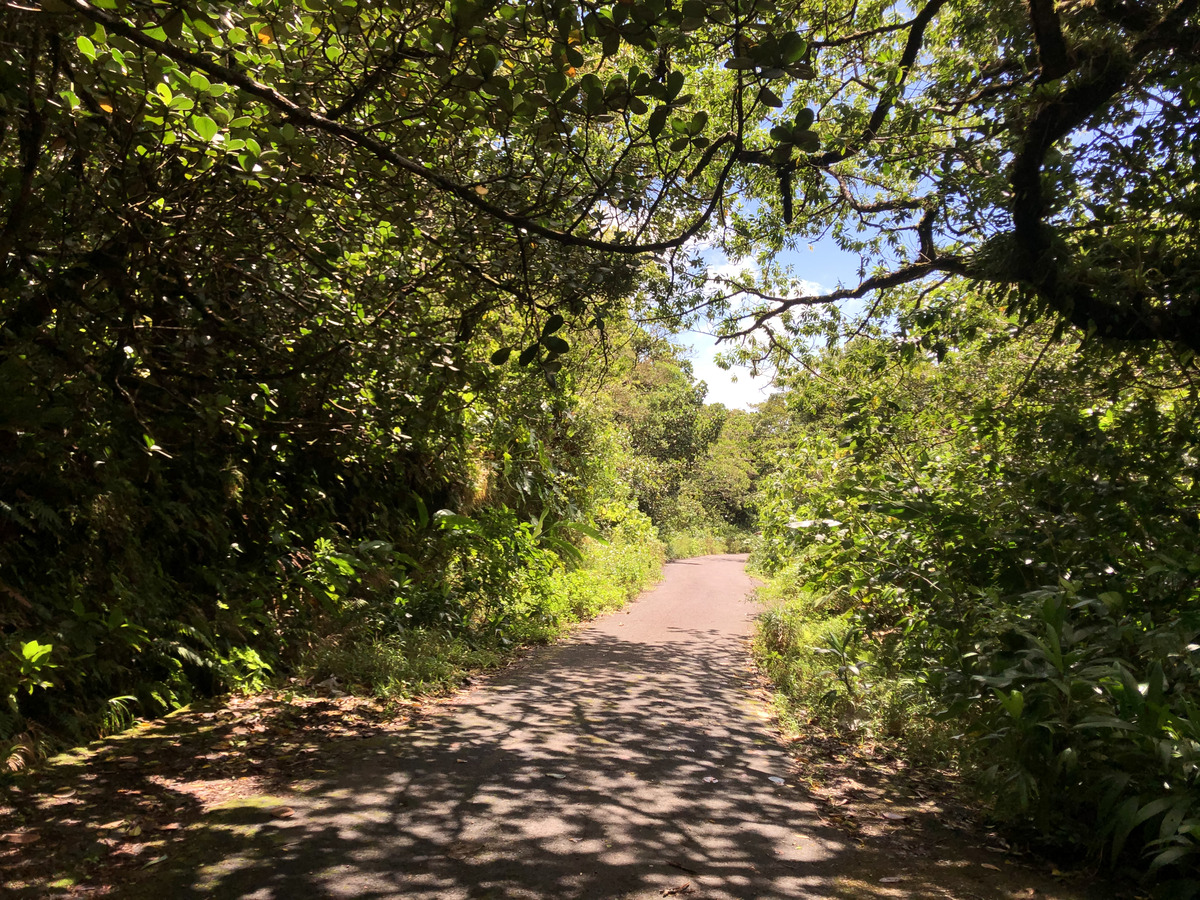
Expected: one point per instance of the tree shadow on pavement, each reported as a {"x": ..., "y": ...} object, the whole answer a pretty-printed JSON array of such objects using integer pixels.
[
  {"x": 632, "y": 760},
  {"x": 602, "y": 768}
]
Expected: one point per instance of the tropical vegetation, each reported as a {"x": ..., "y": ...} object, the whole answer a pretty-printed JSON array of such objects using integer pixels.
[{"x": 334, "y": 338}]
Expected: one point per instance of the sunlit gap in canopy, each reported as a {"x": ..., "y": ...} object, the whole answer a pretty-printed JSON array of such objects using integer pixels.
[{"x": 818, "y": 267}]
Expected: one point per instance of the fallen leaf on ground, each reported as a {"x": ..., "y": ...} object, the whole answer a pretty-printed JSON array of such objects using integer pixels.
[
  {"x": 282, "y": 812},
  {"x": 684, "y": 888},
  {"x": 891, "y": 879},
  {"x": 990, "y": 866},
  {"x": 709, "y": 779},
  {"x": 775, "y": 779},
  {"x": 20, "y": 837}
]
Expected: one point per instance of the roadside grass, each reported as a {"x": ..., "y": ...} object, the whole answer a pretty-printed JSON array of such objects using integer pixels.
[
  {"x": 851, "y": 717},
  {"x": 418, "y": 662},
  {"x": 428, "y": 661},
  {"x": 707, "y": 542},
  {"x": 824, "y": 674},
  {"x": 349, "y": 654}
]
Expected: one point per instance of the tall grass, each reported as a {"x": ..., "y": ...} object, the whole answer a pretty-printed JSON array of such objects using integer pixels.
[
  {"x": 403, "y": 662},
  {"x": 825, "y": 675}
]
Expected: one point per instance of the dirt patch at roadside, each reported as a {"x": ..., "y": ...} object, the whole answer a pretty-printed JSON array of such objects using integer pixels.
[
  {"x": 86, "y": 821},
  {"x": 935, "y": 842}
]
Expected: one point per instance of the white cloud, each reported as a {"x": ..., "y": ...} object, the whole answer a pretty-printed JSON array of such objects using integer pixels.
[
  {"x": 747, "y": 268},
  {"x": 736, "y": 388}
]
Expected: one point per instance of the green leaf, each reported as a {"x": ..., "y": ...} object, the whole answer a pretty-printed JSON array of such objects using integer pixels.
[
  {"x": 556, "y": 83},
  {"x": 1106, "y": 722},
  {"x": 740, "y": 63},
  {"x": 553, "y": 324},
  {"x": 555, "y": 344},
  {"x": 564, "y": 549},
  {"x": 805, "y": 119},
  {"x": 658, "y": 120},
  {"x": 1171, "y": 855},
  {"x": 34, "y": 651},
  {"x": 529, "y": 354},
  {"x": 1014, "y": 703},
  {"x": 675, "y": 82},
  {"x": 793, "y": 47},
  {"x": 592, "y": 84},
  {"x": 808, "y": 141},
  {"x": 500, "y": 357},
  {"x": 86, "y": 47},
  {"x": 446, "y": 518},
  {"x": 768, "y": 97},
  {"x": 487, "y": 59},
  {"x": 205, "y": 127},
  {"x": 588, "y": 530}
]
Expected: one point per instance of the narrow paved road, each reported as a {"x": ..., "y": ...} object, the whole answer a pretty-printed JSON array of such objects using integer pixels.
[{"x": 630, "y": 761}]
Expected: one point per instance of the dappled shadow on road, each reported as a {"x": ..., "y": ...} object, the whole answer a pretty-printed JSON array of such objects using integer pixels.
[
  {"x": 584, "y": 775},
  {"x": 605, "y": 768},
  {"x": 85, "y": 820},
  {"x": 630, "y": 761}
]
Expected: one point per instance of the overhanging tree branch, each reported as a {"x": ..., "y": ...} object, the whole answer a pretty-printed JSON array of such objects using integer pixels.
[
  {"x": 1052, "y": 46},
  {"x": 1039, "y": 260},
  {"x": 912, "y": 47},
  {"x": 304, "y": 116},
  {"x": 905, "y": 275}
]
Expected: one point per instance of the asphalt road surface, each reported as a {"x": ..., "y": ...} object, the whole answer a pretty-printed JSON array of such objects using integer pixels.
[{"x": 631, "y": 761}]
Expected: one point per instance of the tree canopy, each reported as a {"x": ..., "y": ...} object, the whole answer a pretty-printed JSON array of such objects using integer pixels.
[
  {"x": 324, "y": 317},
  {"x": 1045, "y": 149}
]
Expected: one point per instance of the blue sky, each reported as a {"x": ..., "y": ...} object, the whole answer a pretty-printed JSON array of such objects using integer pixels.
[{"x": 824, "y": 266}]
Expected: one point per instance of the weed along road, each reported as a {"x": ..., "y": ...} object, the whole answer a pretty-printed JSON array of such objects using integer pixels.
[{"x": 630, "y": 761}]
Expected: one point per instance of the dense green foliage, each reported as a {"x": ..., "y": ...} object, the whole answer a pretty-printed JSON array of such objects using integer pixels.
[
  {"x": 321, "y": 536},
  {"x": 316, "y": 353},
  {"x": 251, "y": 387},
  {"x": 694, "y": 467},
  {"x": 1007, "y": 538},
  {"x": 541, "y": 597}
]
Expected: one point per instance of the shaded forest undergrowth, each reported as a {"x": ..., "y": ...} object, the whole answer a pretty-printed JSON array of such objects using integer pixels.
[
  {"x": 552, "y": 502},
  {"x": 986, "y": 558}
]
